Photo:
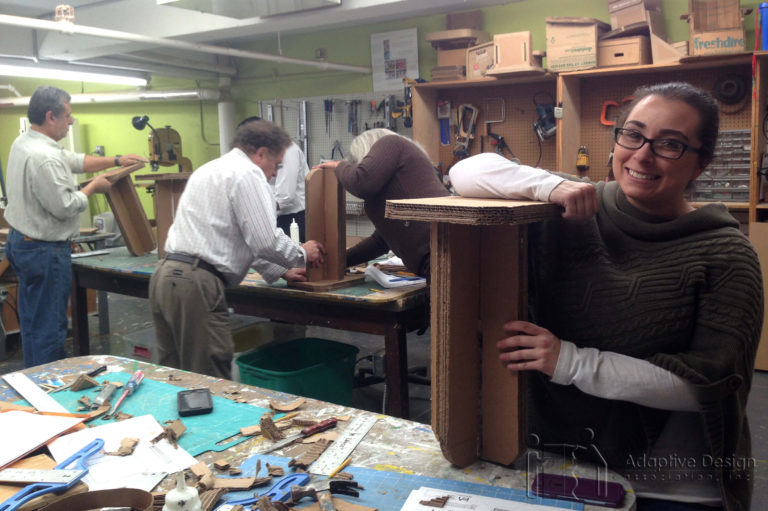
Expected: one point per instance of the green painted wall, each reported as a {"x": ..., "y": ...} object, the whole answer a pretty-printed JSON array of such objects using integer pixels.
[{"x": 109, "y": 124}]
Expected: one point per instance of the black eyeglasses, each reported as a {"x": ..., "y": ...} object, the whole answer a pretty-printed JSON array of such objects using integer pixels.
[{"x": 668, "y": 148}]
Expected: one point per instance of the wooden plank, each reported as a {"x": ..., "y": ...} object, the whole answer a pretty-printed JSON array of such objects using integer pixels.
[
  {"x": 503, "y": 297},
  {"x": 128, "y": 211},
  {"x": 455, "y": 354},
  {"x": 168, "y": 190},
  {"x": 329, "y": 285}
]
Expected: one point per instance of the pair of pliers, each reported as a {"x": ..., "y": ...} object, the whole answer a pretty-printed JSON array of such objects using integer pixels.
[
  {"x": 280, "y": 492},
  {"x": 37, "y": 489},
  {"x": 337, "y": 147}
]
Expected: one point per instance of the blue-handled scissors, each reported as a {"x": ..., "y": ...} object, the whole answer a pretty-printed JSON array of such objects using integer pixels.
[
  {"x": 35, "y": 490},
  {"x": 280, "y": 492}
]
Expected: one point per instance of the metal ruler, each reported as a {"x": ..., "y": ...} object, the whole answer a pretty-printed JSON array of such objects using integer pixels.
[
  {"x": 32, "y": 393},
  {"x": 342, "y": 447},
  {"x": 33, "y": 475}
]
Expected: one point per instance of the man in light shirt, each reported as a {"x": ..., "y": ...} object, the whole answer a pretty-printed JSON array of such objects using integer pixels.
[
  {"x": 225, "y": 224},
  {"x": 44, "y": 207}
]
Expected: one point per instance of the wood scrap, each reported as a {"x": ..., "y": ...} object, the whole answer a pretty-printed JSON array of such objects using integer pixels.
[
  {"x": 98, "y": 412},
  {"x": 127, "y": 446},
  {"x": 83, "y": 382},
  {"x": 306, "y": 458},
  {"x": 221, "y": 464},
  {"x": 275, "y": 470},
  {"x": 85, "y": 403},
  {"x": 269, "y": 430},
  {"x": 346, "y": 476},
  {"x": 235, "y": 471},
  {"x": 287, "y": 407},
  {"x": 174, "y": 377},
  {"x": 210, "y": 498},
  {"x": 258, "y": 467},
  {"x": 435, "y": 501}
]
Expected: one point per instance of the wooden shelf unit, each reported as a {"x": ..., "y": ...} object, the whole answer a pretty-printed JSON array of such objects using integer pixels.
[
  {"x": 581, "y": 95},
  {"x": 517, "y": 127}
]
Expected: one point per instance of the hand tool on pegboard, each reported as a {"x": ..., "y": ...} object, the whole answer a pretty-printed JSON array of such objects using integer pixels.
[{"x": 466, "y": 115}]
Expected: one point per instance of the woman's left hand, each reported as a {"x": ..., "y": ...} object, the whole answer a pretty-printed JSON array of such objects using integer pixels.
[
  {"x": 529, "y": 347},
  {"x": 330, "y": 164}
]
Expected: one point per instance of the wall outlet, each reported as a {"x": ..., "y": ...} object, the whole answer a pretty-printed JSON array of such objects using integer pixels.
[{"x": 99, "y": 150}]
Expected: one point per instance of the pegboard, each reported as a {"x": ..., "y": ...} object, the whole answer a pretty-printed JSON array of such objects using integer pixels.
[
  {"x": 596, "y": 89},
  {"x": 322, "y": 134},
  {"x": 515, "y": 103}
]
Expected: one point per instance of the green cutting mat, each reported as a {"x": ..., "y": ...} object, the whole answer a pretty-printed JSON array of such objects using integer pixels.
[{"x": 204, "y": 432}]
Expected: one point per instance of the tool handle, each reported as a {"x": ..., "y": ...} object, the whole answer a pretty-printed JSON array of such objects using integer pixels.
[
  {"x": 136, "y": 378},
  {"x": 320, "y": 426},
  {"x": 96, "y": 371}
]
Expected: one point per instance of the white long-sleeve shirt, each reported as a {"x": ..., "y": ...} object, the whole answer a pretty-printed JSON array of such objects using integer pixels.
[
  {"x": 226, "y": 216},
  {"x": 289, "y": 182}
]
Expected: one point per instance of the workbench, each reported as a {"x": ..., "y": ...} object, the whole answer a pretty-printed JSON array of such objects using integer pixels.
[
  {"x": 388, "y": 312},
  {"x": 395, "y": 456}
]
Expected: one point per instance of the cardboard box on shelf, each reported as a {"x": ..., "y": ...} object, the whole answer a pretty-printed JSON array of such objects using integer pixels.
[
  {"x": 627, "y": 12},
  {"x": 512, "y": 50},
  {"x": 716, "y": 27},
  {"x": 479, "y": 60},
  {"x": 456, "y": 57},
  {"x": 572, "y": 42},
  {"x": 451, "y": 46},
  {"x": 624, "y": 51}
]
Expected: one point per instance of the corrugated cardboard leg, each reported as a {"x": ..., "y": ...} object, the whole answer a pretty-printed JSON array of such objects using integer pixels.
[{"x": 478, "y": 283}]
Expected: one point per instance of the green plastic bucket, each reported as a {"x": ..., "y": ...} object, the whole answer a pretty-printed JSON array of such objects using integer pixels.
[{"x": 310, "y": 367}]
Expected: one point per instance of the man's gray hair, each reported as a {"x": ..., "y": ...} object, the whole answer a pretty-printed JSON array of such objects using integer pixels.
[
  {"x": 46, "y": 99},
  {"x": 251, "y": 135}
]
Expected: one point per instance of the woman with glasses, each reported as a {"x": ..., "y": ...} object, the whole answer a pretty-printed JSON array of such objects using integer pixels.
[{"x": 645, "y": 313}]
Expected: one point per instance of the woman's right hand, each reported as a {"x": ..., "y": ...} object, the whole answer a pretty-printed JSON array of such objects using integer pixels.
[{"x": 578, "y": 199}]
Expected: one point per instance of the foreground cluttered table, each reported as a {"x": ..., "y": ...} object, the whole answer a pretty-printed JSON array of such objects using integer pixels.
[
  {"x": 390, "y": 460},
  {"x": 366, "y": 308}
]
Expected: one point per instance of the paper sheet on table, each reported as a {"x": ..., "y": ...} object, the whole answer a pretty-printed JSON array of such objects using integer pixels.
[
  {"x": 24, "y": 432},
  {"x": 463, "y": 501},
  {"x": 148, "y": 464}
]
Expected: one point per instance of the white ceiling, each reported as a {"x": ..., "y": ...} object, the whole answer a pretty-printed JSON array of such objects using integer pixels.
[{"x": 171, "y": 41}]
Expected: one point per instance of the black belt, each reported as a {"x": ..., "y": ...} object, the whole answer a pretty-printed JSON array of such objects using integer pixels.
[{"x": 196, "y": 261}]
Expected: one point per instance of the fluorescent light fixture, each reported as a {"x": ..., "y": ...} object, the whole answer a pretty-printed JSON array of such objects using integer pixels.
[{"x": 77, "y": 76}]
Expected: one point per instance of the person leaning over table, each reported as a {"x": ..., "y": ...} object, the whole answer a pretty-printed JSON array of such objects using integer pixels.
[
  {"x": 386, "y": 166},
  {"x": 44, "y": 207},
  {"x": 288, "y": 187},
  {"x": 224, "y": 225},
  {"x": 645, "y": 313}
]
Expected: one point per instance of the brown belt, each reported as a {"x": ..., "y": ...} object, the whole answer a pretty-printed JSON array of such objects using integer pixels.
[{"x": 119, "y": 497}]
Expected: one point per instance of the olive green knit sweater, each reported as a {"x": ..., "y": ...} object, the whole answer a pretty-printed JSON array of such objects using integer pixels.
[{"x": 685, "y": 294}]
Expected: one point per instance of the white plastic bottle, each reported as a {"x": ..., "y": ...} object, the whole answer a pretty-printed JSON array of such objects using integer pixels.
[
  {"x": 183, "y": 497},
  {"x": 295, "y": 231}
]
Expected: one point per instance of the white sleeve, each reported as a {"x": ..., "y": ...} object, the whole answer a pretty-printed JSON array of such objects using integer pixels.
[
  {"x": 285, "y": 181},
  {"x": 490, "y": 175},
  {"x": 611, "y": 375}
]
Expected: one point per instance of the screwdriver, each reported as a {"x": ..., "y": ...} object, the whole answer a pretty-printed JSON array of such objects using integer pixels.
[
  {"x": 130, "y": 387},
  {"x": 304, "y": 433}
]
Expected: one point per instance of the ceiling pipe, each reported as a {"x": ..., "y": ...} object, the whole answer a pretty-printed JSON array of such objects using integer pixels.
[
  {"x": 128, "y": 97},
  {"x": 71, "y": 28}
]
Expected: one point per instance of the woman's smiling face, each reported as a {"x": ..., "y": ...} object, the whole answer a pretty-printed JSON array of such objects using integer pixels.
[{"x": 654, "y": 184}]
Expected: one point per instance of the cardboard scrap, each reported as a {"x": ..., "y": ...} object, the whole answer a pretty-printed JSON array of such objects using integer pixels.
[
  {"x": 256, "y": 429},
  {"x": 210, "y": 498},
  {"x": 269, "y": 430},
  {"x": 172, "y": 432},
  {"x": 83, "y": 382},
  {"x": 275, "y": 470},
  {"x": 240, "y": 483},
  {"x": 287, "y": 407},
  {"x": 221, "y": 464},
  {"x": 127, "y": 446}
]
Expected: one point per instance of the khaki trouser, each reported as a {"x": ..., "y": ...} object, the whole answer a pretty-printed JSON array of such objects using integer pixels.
[{"x": 190, "y": 312}]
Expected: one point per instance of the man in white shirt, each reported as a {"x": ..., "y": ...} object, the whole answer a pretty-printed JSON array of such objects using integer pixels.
[
  {"x": 225, "y": 224},
  {"x": 43, "y": 210}
]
